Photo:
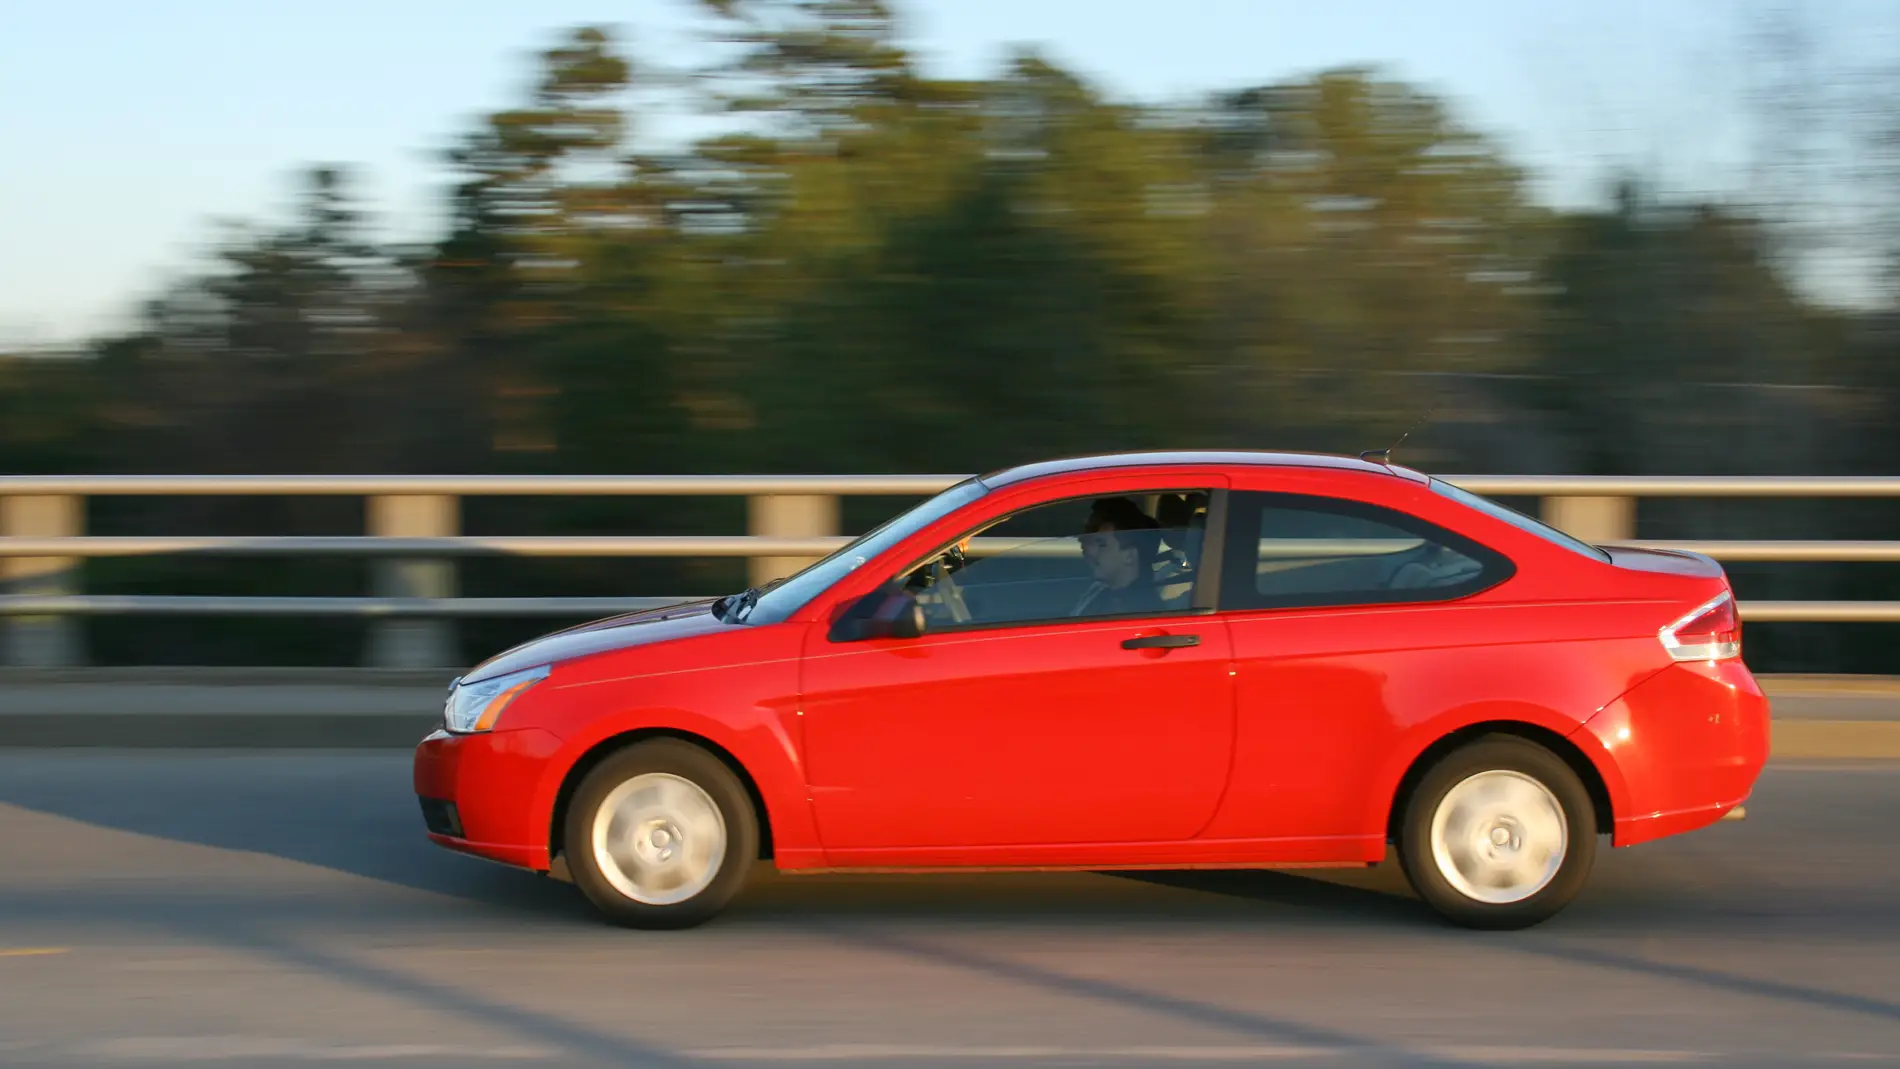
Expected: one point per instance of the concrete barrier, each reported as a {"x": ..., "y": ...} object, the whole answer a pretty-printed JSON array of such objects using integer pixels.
[
  {"x": 1816, "y": 717},
  {"x": 346, "y": 708}
]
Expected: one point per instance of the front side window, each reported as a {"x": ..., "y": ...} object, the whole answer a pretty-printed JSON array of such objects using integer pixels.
[
  {"x": 1292, "y": 550},
  {"x": 1121, "y": 555}
]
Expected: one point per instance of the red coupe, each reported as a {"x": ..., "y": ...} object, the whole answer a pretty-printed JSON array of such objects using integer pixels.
[{"x": 1136, "y": 661}]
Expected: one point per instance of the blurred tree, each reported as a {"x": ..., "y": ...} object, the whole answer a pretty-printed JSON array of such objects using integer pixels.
[
  {"x": 819, "y": 67},
  {"x": 259, "y": 363},
  {"x": 868, "y": 268},
  {"x": 1364, "y": 242},
  {"x": 50, "y": 419},
  {"x": 1657, "y": 311},
  {"x": 530, "y": 192}
]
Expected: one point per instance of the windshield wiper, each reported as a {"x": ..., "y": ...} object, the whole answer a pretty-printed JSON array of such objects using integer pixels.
[
  {"x": 722, "y": 607},
  {"x": 747, "y": 599},
  {"x": 733, "y": 608}
]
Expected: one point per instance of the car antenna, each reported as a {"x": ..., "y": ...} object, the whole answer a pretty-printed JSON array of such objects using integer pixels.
[{"x": 1384, "y": 456}]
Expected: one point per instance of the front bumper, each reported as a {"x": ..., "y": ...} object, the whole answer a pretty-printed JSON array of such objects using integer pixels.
[{"x": 483, "y": 794}]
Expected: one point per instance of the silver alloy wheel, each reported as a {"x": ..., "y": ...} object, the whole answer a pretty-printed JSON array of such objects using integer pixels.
[
  {"x": 659, "y": 839},
  {"x": 1499, "y": 836}
]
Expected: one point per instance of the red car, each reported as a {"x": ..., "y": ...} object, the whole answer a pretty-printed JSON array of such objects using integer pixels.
[{"x": 1137, "y": 661}]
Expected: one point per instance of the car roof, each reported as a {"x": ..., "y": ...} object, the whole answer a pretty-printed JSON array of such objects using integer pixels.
[{"x": 1184, "y": 457}]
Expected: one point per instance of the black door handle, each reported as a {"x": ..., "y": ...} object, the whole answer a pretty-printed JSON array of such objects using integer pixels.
[{"x": 1148, "y": 642}]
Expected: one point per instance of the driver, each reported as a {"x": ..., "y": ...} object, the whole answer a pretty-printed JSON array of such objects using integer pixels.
[{"x": 1119, "y": 543}]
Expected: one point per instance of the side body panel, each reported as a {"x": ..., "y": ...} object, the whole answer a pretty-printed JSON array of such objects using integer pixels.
[
  {"x": 1336, "y": 703},
  {"x": 1688, "y": 744},
  {"x": 993, "y": 745},
  {"x": 1330, "y": 723},
  {"x": 964, "y": 745}
]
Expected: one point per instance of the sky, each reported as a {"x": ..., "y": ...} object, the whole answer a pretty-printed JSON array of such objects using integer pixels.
[{"x": 127, "y": 130}]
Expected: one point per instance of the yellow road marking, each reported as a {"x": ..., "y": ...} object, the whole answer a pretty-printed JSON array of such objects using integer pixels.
[{"x": 30, "y": 952}]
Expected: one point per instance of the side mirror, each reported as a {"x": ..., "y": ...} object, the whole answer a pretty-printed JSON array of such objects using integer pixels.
[{"x": 888, "y": 613}]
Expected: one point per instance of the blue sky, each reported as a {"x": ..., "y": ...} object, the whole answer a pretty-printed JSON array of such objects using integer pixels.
[{"x": 128, "y": 128}]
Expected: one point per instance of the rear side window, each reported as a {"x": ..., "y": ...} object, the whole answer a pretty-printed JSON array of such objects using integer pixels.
[
  {"x": 1294, "y": 550},
  {"x": 1519, "y": 520}
]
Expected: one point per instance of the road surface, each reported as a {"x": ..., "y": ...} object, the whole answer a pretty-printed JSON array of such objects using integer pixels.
[{"x": 283, "y": 909}]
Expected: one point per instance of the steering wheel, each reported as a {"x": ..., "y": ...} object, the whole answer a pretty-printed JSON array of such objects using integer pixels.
[{"x": 946, "y": 588}]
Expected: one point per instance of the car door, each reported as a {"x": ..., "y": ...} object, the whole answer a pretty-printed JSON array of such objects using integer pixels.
[
  {"x": 1346, "y": 619},
  {"x": 1015, "y": 722}
]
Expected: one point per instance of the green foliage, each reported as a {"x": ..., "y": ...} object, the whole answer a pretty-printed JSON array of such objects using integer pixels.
[{"x": 867, "y": 269}]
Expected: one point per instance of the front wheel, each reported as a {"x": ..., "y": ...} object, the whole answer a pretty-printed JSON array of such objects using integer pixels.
[
  {"x": 660, "y": 835},
  {"x": 1500, "y": 834}
]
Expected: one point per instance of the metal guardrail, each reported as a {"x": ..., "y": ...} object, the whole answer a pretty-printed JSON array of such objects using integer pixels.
[
  {"x": 388, "y": 608},
  {"x": 425, "y": 608},
  {"x": 732, "y": 546},
  {"x": 472, "y": 485},
  {"x": 444, "y": 546},
  {"x": 861, "y": 485},
  {"x": 413, "y": 535}
]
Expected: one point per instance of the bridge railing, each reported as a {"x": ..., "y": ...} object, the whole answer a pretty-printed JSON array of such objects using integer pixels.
[{"x": 413, "y": 532}]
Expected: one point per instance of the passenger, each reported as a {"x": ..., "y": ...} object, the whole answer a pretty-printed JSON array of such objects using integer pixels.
[{"x": 1119, "y": 543}]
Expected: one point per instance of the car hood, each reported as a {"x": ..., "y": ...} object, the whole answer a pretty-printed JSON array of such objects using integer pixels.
[{"x": 599, "y": 636}]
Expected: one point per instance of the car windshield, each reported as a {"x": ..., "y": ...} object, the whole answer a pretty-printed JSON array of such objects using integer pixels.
[
  {"x": 791, "y": 594},
  {"x": 1518, "y": 520}
]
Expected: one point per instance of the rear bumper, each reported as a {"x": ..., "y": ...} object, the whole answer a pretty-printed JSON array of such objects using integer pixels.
[
  {"x": 477, "y": 794},
  {"x": 1680, "y": 750}
]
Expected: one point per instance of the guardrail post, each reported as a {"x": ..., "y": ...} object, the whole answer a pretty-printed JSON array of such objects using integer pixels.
[
  {"x": 42, "y": 641},
  {"x": 1593, "y": 519},
  {"x": 414, "y": 643},
  {"x": 788, "y": 516}
]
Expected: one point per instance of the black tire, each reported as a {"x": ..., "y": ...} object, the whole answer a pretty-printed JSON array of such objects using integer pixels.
[
  {"x": 1498, "y": 754},
  {"x": 700, "y": 769}
]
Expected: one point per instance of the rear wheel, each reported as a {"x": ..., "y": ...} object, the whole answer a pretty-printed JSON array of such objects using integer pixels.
[
  {"x": 660, "y": 835},
  {"x": 1499, "y": 834}
]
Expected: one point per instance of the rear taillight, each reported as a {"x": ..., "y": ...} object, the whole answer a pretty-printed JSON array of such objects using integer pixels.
[{"x": 1712, "y": 631}]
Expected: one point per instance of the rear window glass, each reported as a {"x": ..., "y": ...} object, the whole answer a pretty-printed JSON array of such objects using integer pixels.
[
  {"x": 1519, "y": 520},
  {"x": 1303, "y": 551}
]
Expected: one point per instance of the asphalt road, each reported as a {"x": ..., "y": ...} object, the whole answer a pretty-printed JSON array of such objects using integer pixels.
[{"x": 168, "y": 909}]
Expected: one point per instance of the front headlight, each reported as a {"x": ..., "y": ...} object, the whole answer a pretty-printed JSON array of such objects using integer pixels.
[{"x": 475, "y": 707}]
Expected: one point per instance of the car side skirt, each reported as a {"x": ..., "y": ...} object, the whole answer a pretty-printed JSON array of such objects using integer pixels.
[
  {"x": 1341, "y": 850},
  {"x": 1186, "y": 866}
]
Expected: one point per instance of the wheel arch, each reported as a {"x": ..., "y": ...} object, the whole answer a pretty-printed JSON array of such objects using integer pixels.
[
  {"x": 1565, "y": 750},
  {"x": 600, "y": 751}
]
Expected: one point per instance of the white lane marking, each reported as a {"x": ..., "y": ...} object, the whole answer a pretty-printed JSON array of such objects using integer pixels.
[
  {"x": 871, "y": 1051},
  {"x": 1566, "y": 1056},
  {"x": 206, "y": 1048},
  {"x": 415, "y": 1050},
  {"x": 1500, "y": 1055},
  {"x": 226, "y": 1048}
]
